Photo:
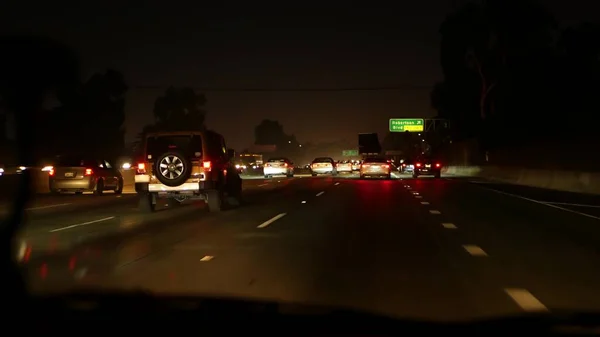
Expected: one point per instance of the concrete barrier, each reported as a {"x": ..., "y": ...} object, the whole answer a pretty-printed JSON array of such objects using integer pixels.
[{"x": 569, "y": 181}]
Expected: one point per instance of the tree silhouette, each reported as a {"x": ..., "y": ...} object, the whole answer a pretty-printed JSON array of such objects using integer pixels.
[{"x": 179, "y": 109}]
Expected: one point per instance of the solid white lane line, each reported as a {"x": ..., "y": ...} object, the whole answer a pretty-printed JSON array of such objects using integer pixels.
[
  {"x": 570, "y": 204},
  {"x": 475, "y": 250},
  {"x": 320, "y": 193},
  {"x": 48, "y": 206},
  {"x": 449, "y": 225},
  {"x": 424, "y": 203},
  {"x": 81, "y": 224},
  {"x": 207, "y": 258},
  {"x": 525, "y": 300},
  {"x": 270, "y": 221},
  {"x": 433, "y": 211},
  {"x": 545, "y": 204}
]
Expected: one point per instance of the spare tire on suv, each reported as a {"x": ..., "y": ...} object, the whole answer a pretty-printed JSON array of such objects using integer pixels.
[{"x": 173, "y": 168}]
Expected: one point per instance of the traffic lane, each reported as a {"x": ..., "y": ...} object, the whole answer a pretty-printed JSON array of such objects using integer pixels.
[
  {"x": 105, "y": 211},
  {"x": 577, "y": 202},
  {"x": 63, "y": 229},
  {"x": 547, "y": 256},
  {"x": 103, "y": 256},
  {"x": 359, "y": 244},
  {"x": 42, "y": 205}
]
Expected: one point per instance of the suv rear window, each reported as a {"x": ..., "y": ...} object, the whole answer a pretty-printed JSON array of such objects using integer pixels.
[
  {"x": 322, "y": 160},
  {"x": 277, "y": 160},
  {"x": 189, "y": 145}
]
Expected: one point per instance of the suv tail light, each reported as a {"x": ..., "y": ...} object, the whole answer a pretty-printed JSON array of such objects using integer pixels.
[
  {"x": 438, "y": 164},
  {"x": 418, "y": 164},
  {"x": 89, "y": 171},
  {"x": 141, "y": 168},
  {"x": 207, "y": 165},
  {"x": 51, "y": 172}
]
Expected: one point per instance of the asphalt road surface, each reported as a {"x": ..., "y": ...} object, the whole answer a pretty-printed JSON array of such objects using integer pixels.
[{"x": 438, "y": 249}]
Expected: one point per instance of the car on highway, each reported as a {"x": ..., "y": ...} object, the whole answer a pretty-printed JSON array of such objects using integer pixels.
[
  {"x": 78, "y": 174},
  {"x": 344, "y": 166},
  {"x": 375, "y": 167},
  {"x": 278, "y": 166},
  {"x": 427, "y": 166},
  {"x": 356, "y": 165},
  {"x": 186, "y": 165},
  {"x": 323, "y": 165}
]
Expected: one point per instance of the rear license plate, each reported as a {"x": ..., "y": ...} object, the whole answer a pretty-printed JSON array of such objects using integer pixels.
[
  {"x": 428, "y": 165},
  {"x": 69, "y": 174}
]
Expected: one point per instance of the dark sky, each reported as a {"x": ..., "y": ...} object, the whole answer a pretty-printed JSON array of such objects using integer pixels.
[{"x": 187, "y": 44}]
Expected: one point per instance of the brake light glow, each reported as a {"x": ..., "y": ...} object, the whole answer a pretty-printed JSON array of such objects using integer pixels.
[
  {"x": 207, "y": 165},
  {"x": 285, "y": 164},
  {"x": 267, "y": 165},
  {"x": 51, "y": 172},
  {"x": 89, "y": 172},
  {"x": 418, "y": 165},
  {"x": 438, "y": 165},
  {"x": 141, "y": 168}
]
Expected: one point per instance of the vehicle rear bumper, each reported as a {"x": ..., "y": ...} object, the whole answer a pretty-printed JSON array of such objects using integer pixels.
[
  {"x": 322, "y": 170},
  {"x": 375, "y": 173},
  {"x": 425, "y": 172},
  {"x": 84, "y": 184},
  {"x": 275, "y": 170}
]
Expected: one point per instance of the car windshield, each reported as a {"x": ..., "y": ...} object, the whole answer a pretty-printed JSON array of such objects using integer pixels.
[{"x": 205, "y": 151}]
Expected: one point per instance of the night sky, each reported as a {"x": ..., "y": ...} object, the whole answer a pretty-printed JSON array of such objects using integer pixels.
[{"x": 166, "y": 43}]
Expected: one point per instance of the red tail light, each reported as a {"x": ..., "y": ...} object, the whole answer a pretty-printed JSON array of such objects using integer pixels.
[
  {"x": 207, "y": 165},
  {"x": 89, "y": 172},
  {"x": 418, "y": 165},
  {"x": 51, "y": 172},
  {"x": 141, "y": 168},
  {"x": 285, "y": 164},
  {"x": 438, "y": 165},
  {"x": 386, "y": 166}
]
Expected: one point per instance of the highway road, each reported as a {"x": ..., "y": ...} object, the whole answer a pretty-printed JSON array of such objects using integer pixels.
[{"x": 438, "y": 249}]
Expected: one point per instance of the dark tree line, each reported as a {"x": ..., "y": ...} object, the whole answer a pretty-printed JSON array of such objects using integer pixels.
[
  {"x": 88, "y": 119},
  {"x": 512, "y": 76}
]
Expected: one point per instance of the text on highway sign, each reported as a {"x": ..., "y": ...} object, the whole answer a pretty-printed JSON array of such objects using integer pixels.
[
  {"x": 407, "y": 124},
  {"x": 349, "y": 153}
]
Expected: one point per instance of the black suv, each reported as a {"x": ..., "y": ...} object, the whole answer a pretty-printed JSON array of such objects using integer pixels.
[{"x": 187, "y": 165}]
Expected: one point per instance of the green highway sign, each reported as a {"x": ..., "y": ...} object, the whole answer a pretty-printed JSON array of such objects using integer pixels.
[
  {"x": 407, "y": 124},
  {"x": 349, "y": 153}
]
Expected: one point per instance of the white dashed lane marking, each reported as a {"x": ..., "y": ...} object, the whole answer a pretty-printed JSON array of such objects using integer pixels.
[
  {"x": 336, "y": 184},
  {"x": 320, "y": 193},
  {"x": 433, "y": 211},
  {"x": 526, "y": 300},
  {"x": 418, "y": 197},
  {"x": 448, "y": 225},
  {"x": 207, "y": 258},
  {"x": 270, "y": 221},
  {"x": 474, "y": 250},
  {"x": 81, "y": 224},
  {"x": 424, "y": 203}
]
